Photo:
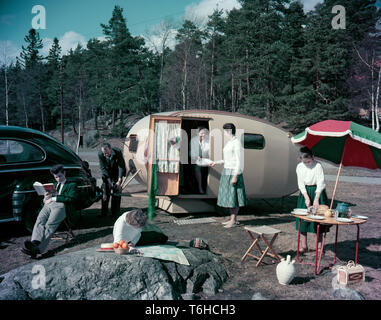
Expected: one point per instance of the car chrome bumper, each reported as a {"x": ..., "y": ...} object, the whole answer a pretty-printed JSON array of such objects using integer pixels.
[{"x": 8, "y": 220}]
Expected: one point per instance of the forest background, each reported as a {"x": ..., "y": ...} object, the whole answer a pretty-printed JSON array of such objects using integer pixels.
[{"x": 268, "y": 59}]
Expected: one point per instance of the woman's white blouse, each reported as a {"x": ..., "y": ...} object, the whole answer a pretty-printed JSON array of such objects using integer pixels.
[
  {"x": 124, "y": 231},
  {"x": 233, "y": 156},
  {"x": 308, "y": 176}
]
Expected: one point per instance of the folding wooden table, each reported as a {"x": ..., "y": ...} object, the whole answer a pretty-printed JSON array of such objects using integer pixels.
[
  {"x": 261, "y": 233},
  {"x": 327, "y": 221}
]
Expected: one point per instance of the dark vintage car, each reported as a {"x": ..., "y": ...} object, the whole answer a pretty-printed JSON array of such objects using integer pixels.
[{"x": 26, "y": 156}]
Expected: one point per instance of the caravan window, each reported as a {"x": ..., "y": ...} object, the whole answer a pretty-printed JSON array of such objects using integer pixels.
[
  {"x": 253, "y": 141},
  {"x": 133, "y": 146}
]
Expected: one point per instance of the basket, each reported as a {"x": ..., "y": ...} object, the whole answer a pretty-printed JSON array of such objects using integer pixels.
[
  {"x": 321, "y": 210},
  {"x": 351, "y": 273}
]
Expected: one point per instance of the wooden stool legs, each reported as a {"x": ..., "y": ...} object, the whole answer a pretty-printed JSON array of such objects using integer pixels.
[{"x": 272, "y": 254}]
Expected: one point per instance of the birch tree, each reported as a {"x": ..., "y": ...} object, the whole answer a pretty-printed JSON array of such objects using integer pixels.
[{"x": 4, "y": 63}]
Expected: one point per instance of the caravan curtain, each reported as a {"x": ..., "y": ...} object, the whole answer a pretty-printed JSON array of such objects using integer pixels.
[{"x": 167, "y": 137}]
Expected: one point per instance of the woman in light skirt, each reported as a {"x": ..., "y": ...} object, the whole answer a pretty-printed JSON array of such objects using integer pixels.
[{"x": 231, "y": 192}]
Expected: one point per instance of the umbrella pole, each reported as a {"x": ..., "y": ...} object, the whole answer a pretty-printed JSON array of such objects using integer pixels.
[
  {"x": 337, "y": 180},
  {"x": 338, "y": 174}
]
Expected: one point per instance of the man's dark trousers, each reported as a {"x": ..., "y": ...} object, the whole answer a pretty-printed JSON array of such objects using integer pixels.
[{"x": 115, "y": 200}]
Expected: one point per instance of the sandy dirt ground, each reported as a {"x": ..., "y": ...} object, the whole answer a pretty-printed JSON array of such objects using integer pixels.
[{"x": 245, "y": 279}]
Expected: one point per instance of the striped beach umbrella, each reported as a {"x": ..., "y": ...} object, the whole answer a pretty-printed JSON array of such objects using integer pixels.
[{"x": 342, "y": 142}]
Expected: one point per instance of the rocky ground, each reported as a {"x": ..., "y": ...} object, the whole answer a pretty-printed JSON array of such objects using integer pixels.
[{"x": 245, "y": 279}]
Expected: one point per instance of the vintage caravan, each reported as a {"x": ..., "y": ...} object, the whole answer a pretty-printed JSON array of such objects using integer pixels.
[{"x": 269, "y": 157}]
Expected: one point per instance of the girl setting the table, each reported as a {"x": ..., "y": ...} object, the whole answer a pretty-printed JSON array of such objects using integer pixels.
[{"x": 311, "y": 185}]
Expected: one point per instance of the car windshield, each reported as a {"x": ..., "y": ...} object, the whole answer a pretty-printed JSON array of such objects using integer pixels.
[{"x": 12, "y": 151}]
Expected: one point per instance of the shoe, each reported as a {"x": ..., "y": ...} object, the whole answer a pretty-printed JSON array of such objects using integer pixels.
[
  {"x": 31, "y": 248},
  {"x": 26, "y": 251}
]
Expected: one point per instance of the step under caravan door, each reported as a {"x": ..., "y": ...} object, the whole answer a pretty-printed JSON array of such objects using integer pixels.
[{"x": 164, "y": 152}]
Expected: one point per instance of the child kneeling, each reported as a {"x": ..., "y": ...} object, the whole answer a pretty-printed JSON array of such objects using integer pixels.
[{"x": 128, "y": 227}]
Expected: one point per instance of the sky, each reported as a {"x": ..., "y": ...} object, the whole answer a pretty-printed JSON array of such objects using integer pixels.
[{"x": 77, "y": 21}]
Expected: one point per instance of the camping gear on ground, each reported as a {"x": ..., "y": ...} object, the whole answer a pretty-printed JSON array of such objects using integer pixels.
[
  {"x": 199, "y": 243},
  {"x": 193, "y": 221},
  {"x": 350, "y": 273},
  {"x": 164, "y": 252},
  {"x": 342, "y": 142},
  {"x": 285, "y": 270},
  {"x": 261, "y": 233}
]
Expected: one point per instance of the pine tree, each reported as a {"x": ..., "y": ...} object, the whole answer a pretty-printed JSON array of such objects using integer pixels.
[
  {"x": 30, "y": 55},
  {"x": 267, "y": 55},
  {"x": 322, "y": 91},
  {"x": 125, "y": 67},
  {"x": 31, "y": 60},
  {"x": 54, "y": 55},
  {"x": 214, "y": 33},
  {"x": 183, "y": 76}
]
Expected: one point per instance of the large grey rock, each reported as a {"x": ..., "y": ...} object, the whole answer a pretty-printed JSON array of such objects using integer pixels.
[
  {"x": 347, "y": 294},
  {"x": 341, "y": 291},
  {"x": 89, "y": 275},
  {"x": 258, "y": 296},
  {"x": 90, "y": 138}
]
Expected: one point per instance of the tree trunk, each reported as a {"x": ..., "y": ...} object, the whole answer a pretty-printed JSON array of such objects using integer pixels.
[
  {"x": 42, "y": 114},
  {"x": 25, "y": 112},
  {"x": 184, "y": 83},
  {"x": 79, "y": 118},
  {"x": 121, "y": 117},
  {"x": 6, "y": 96},
  {"x": 232, "y": 91},
  {"x": 377, "y": 98},
  {"x": 95, "y": 118},
  {"x": 247, "y": 69},
  {"x": 73, "y": 123},
  {"x": 372, "y": 98},
  {"x": 211, "y": 97},
  {"x": 61, "y": 105},
  {"x": 161, "y": 77}
]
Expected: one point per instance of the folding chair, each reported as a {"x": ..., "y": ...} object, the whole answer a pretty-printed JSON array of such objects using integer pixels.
[
  {"x": 260, "y": 233},
  {"x": 64, "y": 235}
]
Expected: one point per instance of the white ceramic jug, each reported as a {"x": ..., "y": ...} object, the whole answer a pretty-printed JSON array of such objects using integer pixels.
[{"x": 285, "y": 270}]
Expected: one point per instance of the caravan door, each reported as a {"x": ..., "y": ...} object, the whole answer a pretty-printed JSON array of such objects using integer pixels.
[{"x": 164, "y": 152}]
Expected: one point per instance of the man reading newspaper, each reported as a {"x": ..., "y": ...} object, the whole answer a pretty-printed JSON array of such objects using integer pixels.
[{"x": 56, "y": 207}]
